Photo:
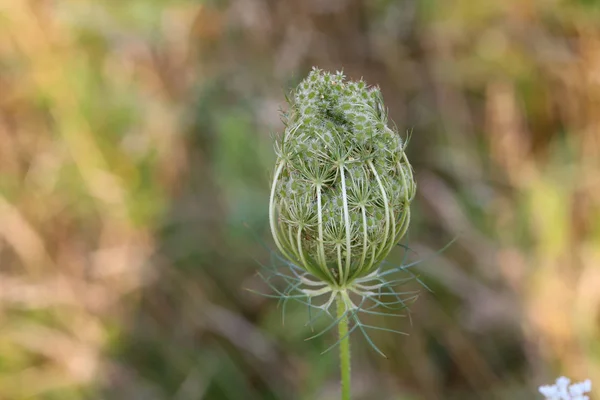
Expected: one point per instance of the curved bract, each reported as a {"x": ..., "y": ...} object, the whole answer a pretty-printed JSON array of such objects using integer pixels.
[{"x": 342, "y": 188}]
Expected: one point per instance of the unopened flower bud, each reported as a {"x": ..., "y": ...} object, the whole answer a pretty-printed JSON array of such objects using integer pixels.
[{"x": 342, "y": 187}]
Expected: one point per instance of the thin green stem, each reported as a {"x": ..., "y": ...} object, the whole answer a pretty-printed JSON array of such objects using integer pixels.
[{"x": 344, "y": 348}]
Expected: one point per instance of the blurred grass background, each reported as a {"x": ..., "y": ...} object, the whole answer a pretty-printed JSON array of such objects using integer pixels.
[{"x": 136, "y": 144}]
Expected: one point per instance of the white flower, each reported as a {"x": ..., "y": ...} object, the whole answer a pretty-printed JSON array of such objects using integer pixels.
[{"x": 563, "y": 391}]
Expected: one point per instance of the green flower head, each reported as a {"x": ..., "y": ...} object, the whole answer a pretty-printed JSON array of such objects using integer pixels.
[{"x": 342, "y": 188}]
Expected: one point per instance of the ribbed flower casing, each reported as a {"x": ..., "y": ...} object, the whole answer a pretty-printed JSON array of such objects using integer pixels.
[{"x": 342, "y": 188}]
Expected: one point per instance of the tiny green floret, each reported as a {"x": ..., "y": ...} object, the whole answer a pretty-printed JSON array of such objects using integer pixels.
[{"x": 342, "y": 188}]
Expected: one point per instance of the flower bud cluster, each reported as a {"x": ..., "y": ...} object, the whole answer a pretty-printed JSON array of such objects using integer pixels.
[{"x": 342, "y": 186}]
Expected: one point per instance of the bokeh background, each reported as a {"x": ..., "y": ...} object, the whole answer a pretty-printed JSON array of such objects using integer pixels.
[{"x": 135, "y": 157}]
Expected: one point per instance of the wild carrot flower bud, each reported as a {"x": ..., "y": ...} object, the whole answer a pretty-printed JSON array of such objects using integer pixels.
[{"x": 342, "y": 188}]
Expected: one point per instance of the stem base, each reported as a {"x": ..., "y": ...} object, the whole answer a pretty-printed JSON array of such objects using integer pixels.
[{"x": 344, "y": 348}]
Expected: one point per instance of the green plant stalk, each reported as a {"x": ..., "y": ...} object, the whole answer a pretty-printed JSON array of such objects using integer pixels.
[{"x": 344, "y": 348}]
